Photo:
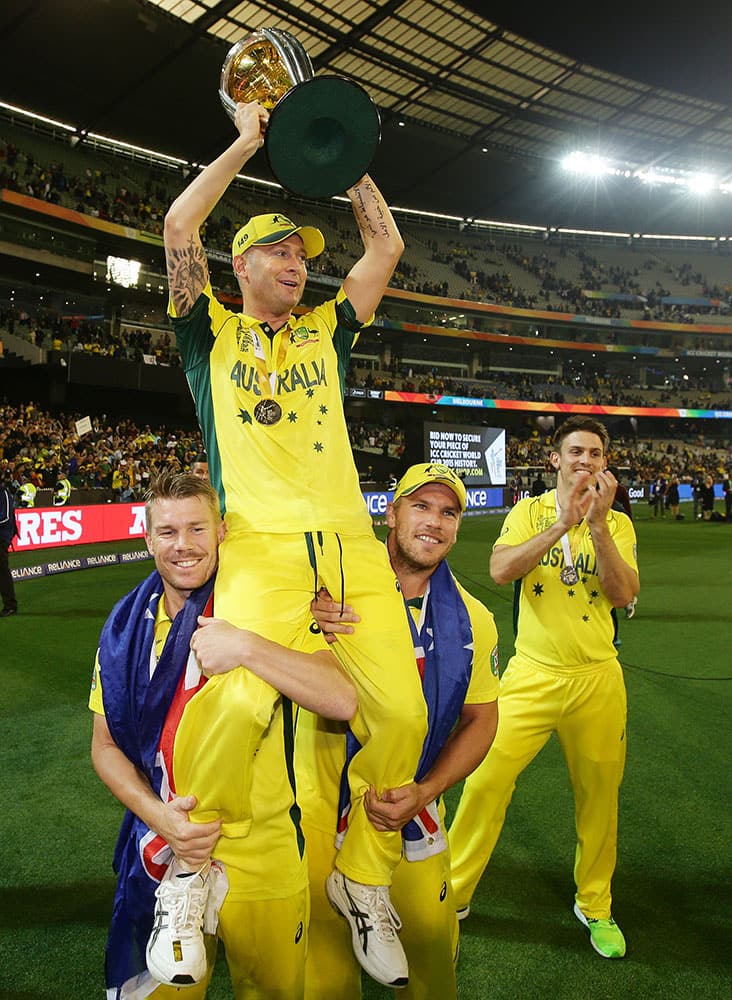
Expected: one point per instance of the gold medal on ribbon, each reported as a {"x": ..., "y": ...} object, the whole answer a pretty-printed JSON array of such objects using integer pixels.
[{"x": 267, "y": 412}]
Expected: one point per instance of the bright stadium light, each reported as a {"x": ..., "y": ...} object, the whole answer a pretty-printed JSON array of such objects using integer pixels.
[
  {"x": 587, "y": 163},
  {"x": 701, "y": 183},
  {"x": 123, "y": 272},
  {"x": 655, "y": 177}
]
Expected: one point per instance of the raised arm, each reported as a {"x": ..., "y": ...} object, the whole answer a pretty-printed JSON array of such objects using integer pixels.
[
  {"x": 185, "y": 259},
  {"x": 383, "y": 246}
]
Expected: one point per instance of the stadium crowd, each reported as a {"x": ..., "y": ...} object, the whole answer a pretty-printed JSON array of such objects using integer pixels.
[
  {"x": 52, "y": 331},
  {"x": 86, "y": 190},
  {"x": 376, "y": 438},
  {"x": 102, "y": 187},
  {"x": 39, "y": 448},
  {"x": 639, "y": 461},
  {"x": 577, "y": 383},
  {"x": 122, "y": 456}
]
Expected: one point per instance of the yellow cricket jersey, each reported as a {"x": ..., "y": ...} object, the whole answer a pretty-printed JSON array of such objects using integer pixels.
[
  {"x": 564, "y": 626},
  {"x": 160, "y": 631},
  {"x": 270, "y": 409},
  {"x": 484, "y": 681},
  {"x": 320, "y": 744}
]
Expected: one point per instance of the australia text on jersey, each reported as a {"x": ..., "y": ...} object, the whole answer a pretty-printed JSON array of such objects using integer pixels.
[
  {"x": 306, "y": 375},
  {"x": 585, "y": 562}
]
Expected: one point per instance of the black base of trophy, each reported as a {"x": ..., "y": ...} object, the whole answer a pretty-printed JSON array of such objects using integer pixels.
[{"x": 322, "y": 136}]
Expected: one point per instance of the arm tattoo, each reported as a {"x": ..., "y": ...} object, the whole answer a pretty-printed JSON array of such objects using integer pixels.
[
  {"x": 187, "y": 274},
  {"x": 369, "y": 213}
]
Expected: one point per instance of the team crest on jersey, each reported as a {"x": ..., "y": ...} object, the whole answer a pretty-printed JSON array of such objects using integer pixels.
[
  {"x": 494, "y": 661},
  {"x": 543, "y": 522},
  {"x": 302, "y": 335},
  {"x": 244, "y": 338}
]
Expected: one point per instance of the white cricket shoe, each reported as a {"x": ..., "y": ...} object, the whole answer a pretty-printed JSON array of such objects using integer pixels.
[
  {"x": 374, "y": 924},
  {"x": 176, "y": 951}
]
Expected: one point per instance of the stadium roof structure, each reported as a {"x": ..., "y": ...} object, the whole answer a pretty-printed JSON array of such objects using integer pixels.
[{"x": 476, "y": 118}]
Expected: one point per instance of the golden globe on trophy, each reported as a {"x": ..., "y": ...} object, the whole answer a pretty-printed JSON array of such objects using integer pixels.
[{"x": 323, "y": 132}]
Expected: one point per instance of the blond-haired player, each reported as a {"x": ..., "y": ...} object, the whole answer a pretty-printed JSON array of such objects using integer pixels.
[
  {"x": 162, "y": 734},
  {"x": 456, "y": 657},
  {"x": 268, "y": 390}
]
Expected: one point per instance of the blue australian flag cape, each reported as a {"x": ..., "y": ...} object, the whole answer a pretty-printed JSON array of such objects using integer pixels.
[
  {"x": 443, "y": 646},
  {"x": 135, "y": 707}
]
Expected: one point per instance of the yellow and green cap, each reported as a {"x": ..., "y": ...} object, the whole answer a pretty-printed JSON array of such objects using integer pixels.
[
  {"x": 430, "y": 472},
  {"x": 264, "y": 230}
]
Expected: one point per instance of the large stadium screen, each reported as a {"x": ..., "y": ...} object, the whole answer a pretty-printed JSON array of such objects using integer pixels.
[{"x": 476, "y": 454}]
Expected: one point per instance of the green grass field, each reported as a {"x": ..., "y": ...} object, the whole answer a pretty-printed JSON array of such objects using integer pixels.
[{"x": 671, "y": 890}]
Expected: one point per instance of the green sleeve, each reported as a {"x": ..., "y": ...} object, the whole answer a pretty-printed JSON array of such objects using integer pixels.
[
  {"x": 344, "y": 337},
  {"x": 193, "y": 333}
]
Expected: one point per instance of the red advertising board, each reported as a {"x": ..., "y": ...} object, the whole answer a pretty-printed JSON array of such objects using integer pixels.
[{"x": 47, "y": 527}]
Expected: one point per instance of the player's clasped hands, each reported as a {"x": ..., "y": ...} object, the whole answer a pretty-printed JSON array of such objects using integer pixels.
[
  {"x": 601, "y": 498},
  {"x": 591, "y": 503}
]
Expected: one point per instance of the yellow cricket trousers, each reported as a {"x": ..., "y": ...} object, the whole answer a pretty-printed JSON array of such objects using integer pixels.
[
  {"x": 422, "y": 896},
  {"x": 586, "y": 708},
  {"x": 265, "y": 583}
]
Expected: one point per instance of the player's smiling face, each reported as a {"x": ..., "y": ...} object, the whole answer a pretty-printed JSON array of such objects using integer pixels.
[
  {"x": 424, "y": 526},
  {"x": 272, "y": 278},
  {"x": 183, "y": 538},
  {"x": 580, "y": 455}
]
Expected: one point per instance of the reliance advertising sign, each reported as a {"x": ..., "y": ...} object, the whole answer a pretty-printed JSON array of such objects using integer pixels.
[{"x": 46, "y": 527}]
